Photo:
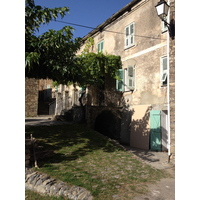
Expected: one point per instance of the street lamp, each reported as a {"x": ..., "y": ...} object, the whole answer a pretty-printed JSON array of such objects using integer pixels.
[{"x": 162, "y": 9}]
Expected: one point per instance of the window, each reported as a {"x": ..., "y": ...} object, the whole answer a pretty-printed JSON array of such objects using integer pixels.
[
  {"x": 129, "y": 35},
  {"x": 164, "y": 70},
  {"x": 127, "y": 79},
  {"x": 100, "y": 46},
  {"x": 130, "y": 78}
]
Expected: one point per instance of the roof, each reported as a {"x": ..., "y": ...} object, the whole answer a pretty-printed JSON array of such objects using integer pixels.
[{"x": 111, "y": 19}]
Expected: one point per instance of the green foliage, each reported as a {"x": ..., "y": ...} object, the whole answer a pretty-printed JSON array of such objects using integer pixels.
[
  {"x": 93, "y": 68},
  {"x": 88, "y": 44},
  {"x": 53, "y": 54},
  {"x": 36, "y": 15},
  {"x": 50, "y": 55}
]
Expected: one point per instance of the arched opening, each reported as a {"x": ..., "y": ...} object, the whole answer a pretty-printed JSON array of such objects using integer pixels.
[{"x": 108, "y": 123}]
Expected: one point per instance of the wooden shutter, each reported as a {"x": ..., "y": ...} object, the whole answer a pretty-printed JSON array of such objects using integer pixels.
[
  {"x": 100, "y": 46},
  {"x": 127, "y": 37},
  {"x": 120, "y": 83},
  {"x": 155, "y": 130},
  {"x": 131, "y": 78},
  {"x": 132, "y": 34}
]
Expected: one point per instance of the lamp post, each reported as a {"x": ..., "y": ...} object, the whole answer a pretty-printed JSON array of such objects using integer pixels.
[{"x": 162, "y": 9}]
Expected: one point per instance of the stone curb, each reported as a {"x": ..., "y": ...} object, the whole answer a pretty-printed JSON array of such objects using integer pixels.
[{"x": 46, "y": 185}]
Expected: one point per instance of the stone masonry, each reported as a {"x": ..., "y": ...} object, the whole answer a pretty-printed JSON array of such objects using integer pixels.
[
  {"x": 31, "y": 97},
  {"x": 46, "y": 185},
  {"x": 172, "y": 83}
]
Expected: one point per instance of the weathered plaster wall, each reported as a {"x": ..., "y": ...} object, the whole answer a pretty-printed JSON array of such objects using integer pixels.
[
  {"x": 145, "y": 54},
  {"x": 149, "y": 46}
]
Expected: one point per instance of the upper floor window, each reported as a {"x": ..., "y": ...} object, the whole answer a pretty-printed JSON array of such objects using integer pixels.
[
  {"x": 163, "y": 74},
  {"x": 100, "y": 46},
  {"x": 129, "y": 35}
]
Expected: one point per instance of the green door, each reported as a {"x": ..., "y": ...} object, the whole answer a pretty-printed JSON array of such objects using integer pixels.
[{"x": 155, "y": 130}]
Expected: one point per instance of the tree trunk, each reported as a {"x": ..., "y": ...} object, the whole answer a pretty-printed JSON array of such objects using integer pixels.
[{"x": 83, "y": 120}]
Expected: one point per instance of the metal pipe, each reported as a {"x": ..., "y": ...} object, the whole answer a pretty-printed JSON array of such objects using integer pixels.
[{"x": 168, "y": 89}]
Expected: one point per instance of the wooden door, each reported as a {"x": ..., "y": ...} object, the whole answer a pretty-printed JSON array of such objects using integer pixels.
[{"x": 155, "y": 130}]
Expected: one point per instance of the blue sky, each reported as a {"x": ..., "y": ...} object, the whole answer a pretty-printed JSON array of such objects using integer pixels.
[{"x": 85, "y": 12}]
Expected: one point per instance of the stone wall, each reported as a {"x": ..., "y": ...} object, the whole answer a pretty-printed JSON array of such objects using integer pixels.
[
  {"x": 46, "y": 185},
  {"x": 31, "y": 97},
  {"x": 172, "y": 82}
]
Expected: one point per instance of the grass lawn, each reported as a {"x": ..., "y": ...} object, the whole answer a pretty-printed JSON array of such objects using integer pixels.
[
  {"x": 85, "y": 158},
  {"x": 31, "y": 195}
]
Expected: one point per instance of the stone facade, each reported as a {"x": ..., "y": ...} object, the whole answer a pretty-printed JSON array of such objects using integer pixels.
[
  {"x": 31, "y": 97},
  {"x": 42, "y": 98},
  {"x": 149, "y": 47}
]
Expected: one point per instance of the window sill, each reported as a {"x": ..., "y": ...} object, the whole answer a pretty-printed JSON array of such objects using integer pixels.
[{"x": 126, "y": 48}]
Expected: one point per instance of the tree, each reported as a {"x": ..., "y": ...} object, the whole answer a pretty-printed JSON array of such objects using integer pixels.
[
  {"x": 50, "y": 55},
  {"x": 53, "y": 54}
]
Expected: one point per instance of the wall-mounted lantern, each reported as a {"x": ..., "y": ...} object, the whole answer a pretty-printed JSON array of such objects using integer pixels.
[{"x": 162, "y": 9}]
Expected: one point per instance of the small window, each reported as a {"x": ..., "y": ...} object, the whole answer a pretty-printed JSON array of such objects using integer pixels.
[
  {"x": 129, "y": 35},
  {"x": 100, "y": 46},
  {"x": 164, "y": 70}
]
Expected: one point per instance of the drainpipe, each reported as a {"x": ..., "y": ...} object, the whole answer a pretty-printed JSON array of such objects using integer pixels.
[{"x": 168, "y": 88}]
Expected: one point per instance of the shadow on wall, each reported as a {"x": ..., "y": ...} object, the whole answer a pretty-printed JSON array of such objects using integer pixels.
[
  {"x": 127, "y": 114},
  {"x": 140, "y": 131}
]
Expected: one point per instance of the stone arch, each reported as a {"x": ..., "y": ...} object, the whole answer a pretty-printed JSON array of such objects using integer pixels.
[{"x": 108, "y": 123}]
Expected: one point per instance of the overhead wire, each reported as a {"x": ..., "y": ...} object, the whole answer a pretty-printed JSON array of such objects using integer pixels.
[{"x": 89, "y": 27}]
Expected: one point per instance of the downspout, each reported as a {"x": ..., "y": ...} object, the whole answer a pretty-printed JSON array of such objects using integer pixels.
[{"x": 168, "y": 89}]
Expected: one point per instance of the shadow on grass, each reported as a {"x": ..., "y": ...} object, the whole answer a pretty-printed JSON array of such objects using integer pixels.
[{"x": 67, "y": 142}]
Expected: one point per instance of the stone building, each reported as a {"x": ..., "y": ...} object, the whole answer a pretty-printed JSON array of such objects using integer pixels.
[
  {"x": 45, "y": 98},
  {"x": 138, "y": 102}
]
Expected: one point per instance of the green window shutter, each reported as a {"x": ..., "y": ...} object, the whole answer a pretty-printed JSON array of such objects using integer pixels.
[
  {"x": 100, "y": 46},
  {"x": 155, "y": 130},
  {"x": 120, "y": 83}
]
